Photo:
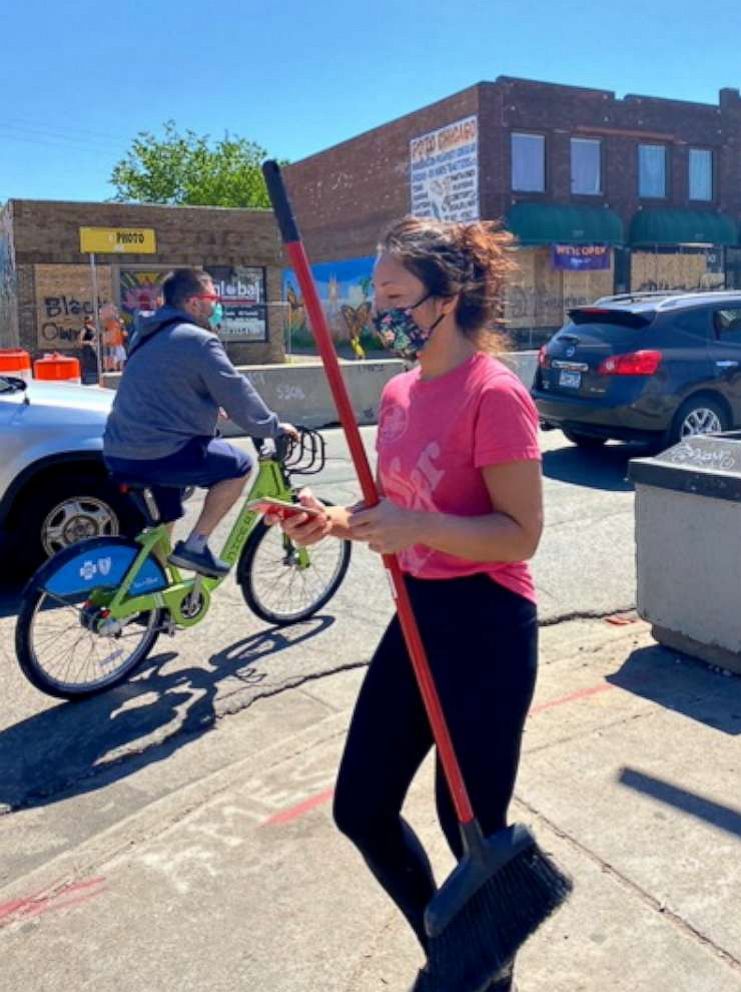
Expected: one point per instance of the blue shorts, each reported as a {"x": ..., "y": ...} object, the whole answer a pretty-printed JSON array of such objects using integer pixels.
[{"x": 203, "y": 461}]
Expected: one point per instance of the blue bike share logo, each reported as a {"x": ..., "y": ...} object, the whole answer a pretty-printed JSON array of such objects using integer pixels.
[
  {"x": 90, "y": 568},
  {"x": 107, "y": 565}
]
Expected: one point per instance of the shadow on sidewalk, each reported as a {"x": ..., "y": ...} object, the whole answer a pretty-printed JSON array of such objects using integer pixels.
[
  {"x": 80, "y": 747},
  {"x": 724, "y": 817},
  {"x": 601, "y": 468},
  {"x": 684, "y": 685}
]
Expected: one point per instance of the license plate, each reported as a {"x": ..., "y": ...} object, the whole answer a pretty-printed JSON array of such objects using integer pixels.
[{"x": 570, "y": 380}]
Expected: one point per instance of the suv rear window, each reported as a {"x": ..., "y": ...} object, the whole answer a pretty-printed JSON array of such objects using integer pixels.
[{"x": 616, "y": 318}]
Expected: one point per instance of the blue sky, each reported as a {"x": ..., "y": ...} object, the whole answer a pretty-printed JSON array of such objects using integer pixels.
[{"x": 79, "y": 79}]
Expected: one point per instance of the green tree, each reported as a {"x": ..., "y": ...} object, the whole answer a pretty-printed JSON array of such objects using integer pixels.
[{"x": 190, "y": 168}]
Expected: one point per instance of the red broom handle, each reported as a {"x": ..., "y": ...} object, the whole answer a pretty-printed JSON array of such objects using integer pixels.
[{"x": 299, "y": 260}]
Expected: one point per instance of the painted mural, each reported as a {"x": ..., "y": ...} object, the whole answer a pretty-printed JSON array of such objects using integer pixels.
[
  {"x": 139, "y": 291},
  {"x": 64, "y": 297},
  {"x": 444, "y": 172},
  {"x": 345, "y": 291},
  {"x": 8, "y": 309}
]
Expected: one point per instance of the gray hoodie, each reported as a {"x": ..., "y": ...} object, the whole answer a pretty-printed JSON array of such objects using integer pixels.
[{"x": 172, "y": 387}]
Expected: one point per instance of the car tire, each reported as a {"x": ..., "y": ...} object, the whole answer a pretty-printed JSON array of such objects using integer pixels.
[
  {"x": 57, "y": 512},
  {"x": 584, "y": 440},
  {"x": 699, "y": 410}
]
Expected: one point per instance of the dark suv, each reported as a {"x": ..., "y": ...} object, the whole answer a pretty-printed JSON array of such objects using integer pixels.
[{"x": 651, "y": 367}]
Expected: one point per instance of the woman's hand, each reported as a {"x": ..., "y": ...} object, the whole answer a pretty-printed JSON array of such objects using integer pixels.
[
  {"x": 386, "y": 527},
  {"x": 303, "y": 528}
]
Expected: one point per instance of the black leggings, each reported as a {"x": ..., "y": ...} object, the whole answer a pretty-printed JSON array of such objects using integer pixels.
[{"x": 481, "y": 641}]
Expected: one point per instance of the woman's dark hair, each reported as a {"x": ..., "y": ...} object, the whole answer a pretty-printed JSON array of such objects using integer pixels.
[
  {"x": 180, "y": 285},
  {"x": 468, "y": 260}
]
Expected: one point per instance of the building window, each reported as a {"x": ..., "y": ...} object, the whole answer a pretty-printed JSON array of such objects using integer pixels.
[
  {"x": 586, "y": 166},
  {"x": 701, "y": 174},
  {"x": 652, "y": 171},
  {"x": 528, "y": 163}
]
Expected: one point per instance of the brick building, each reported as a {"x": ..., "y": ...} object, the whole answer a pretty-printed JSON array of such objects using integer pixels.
[
  {"x": 603, "y": 194},
  {"x": 46, "y": 280}
]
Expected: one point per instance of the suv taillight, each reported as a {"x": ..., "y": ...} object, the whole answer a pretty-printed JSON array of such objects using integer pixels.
[
  {"x": 544, "y": 359},
  {"x": 634, "y": 363}
]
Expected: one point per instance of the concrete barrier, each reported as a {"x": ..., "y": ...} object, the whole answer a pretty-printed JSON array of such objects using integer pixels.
[
  {"x": 688, "y": 547},
  {"x": 300, "y": 393}
]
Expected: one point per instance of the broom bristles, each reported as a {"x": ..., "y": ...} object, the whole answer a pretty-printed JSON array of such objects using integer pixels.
[{"x": 485, "y": 935}]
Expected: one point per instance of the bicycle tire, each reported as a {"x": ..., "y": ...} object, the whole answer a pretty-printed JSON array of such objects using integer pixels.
[
  {"x": 252, "y": 595},
  {"x": 145, "y": 625}
]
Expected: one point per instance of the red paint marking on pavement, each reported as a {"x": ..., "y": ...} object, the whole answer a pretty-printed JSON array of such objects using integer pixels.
[
  {"x": 37, "y": 904},
  {"x": 296, "y": 811},
  {"x": 8, "y": 908},
  {"x": 572, "y": 697}
]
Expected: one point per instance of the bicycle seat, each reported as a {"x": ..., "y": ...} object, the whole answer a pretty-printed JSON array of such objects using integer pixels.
[{"x": 141, "y": 495}]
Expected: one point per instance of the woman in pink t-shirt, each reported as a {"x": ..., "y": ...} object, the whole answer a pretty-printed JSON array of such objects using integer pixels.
[{"x": 459, "y": 468}]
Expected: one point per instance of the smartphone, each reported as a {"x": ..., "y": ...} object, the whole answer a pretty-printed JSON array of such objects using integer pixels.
[{"x": 280, "y": 508}]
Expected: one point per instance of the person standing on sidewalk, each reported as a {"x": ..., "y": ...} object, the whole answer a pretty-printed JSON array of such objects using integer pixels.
[
  {"x": 114, "y": 335},
  {"x": 88, "y": 341},
  {"x": 459, "y": 473}
]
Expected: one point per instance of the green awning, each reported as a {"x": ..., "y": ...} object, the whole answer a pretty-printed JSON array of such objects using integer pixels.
[
  {"x": 681, "y": 227},
  {"x": 554, "y": 224}
]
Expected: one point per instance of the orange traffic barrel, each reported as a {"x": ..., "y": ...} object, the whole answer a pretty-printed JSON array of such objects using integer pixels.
[
  {"x": 15, "y": 361},
  {"x": 57, "y": 368}
]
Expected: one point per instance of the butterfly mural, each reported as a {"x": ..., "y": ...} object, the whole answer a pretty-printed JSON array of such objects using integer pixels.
[
  {"x": 296, "y": 310},
  {"x": 343, "y": 288},
  {"x": 356, "y": 320}
]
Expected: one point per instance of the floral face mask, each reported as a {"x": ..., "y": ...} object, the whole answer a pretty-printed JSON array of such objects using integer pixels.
[{"x": 399, "y": 331}]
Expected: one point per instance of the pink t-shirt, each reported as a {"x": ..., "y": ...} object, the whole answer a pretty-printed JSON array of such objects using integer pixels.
[{"x": 435, "y": 437}]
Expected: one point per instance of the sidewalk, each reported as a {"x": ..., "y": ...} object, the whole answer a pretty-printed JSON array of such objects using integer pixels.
[{"x": 220, "y": 869}]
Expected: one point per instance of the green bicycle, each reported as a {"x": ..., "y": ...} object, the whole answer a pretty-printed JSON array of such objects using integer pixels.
[{"x": 92, "y": 613}]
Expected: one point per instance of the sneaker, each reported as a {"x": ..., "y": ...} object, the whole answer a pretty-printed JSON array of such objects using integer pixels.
[{"x": 205, "y": 562}]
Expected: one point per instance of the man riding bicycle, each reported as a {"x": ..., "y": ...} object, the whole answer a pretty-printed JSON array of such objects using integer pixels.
[{"x": 161, "y": 428}]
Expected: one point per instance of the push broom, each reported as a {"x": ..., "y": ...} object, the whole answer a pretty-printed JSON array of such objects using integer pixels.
[{"x": 504, "y": 887}]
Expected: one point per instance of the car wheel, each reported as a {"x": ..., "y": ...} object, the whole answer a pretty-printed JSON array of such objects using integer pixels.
[
  {"x": 70, "y": 509},
  {"x": 584, "y": 440},
  {"x": 700, "y": 415}
]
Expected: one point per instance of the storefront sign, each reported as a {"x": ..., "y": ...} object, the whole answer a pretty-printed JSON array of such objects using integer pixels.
[
  {"x": 242, "y": 292},
  {"x": 444, "y": 172},
  {"x": 578, "y": 258},
  {"x": 118, "y": 240}
]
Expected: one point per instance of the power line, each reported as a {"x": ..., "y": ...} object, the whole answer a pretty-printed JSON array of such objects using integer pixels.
[
  {"x": 53, "y": 140},
  {"x": 64, "y": 129}
]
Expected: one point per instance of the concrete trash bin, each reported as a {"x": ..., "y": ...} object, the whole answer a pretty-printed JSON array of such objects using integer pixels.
[{"x": 688, "y": 546}]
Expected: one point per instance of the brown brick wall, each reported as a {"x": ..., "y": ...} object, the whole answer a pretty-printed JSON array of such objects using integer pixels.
[
  {"x": 46, "y": 233},
  {"x": 561, "y": 112},
  {"x": 344, "y": 196}
]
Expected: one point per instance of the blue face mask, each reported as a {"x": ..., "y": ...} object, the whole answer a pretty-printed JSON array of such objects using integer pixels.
[
  {"x": 399, "y": 331},
  {"x": 217, "y": 317}
]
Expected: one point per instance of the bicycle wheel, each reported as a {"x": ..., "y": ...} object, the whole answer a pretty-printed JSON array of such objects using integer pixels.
[
  {"x": 64, "y": 644},
  {"x": 275, "y": 586}
]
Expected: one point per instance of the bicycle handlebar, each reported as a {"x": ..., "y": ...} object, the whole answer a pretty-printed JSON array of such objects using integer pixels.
[{"x": 305, "y": 456}]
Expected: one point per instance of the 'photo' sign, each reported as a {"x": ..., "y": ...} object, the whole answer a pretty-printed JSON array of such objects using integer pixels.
[
  {"x": 444, "y": 172},
  {"x": 118, "y": 241}
]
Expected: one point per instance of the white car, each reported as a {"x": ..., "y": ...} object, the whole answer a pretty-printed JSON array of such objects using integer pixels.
[{"x": 54, "y": 489}]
